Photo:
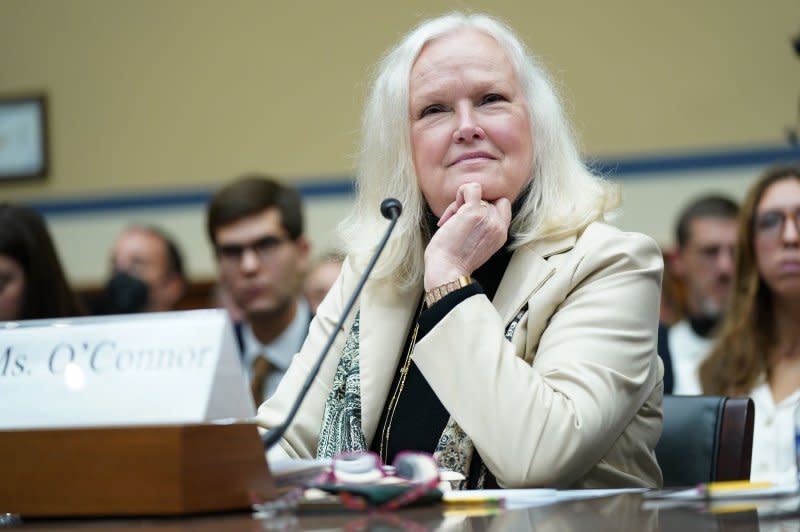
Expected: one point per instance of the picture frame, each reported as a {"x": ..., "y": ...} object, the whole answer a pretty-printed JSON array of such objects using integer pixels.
[{"x": 23, "y": 137}]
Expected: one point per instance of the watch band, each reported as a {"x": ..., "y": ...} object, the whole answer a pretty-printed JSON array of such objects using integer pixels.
[{"x": 435, "y": 294}]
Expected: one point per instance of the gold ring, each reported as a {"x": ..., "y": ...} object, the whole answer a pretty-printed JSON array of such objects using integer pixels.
[{"x": 484, "y": 203}]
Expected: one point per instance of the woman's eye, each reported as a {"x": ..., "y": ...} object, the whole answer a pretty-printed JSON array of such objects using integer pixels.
[
  {"x": 769, "y": 220},
  {"x": 431, "y": 109},
  {"x": 491, "y": 98}
]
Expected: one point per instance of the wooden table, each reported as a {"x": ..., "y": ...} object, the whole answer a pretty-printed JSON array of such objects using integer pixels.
[{"x": 615, "y": 513}]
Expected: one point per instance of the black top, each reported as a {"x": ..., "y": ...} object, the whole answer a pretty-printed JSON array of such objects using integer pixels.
[{"x": 420, "y": 418}]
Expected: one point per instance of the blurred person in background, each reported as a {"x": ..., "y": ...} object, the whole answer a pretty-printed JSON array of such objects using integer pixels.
[
  {"x": 32, "y": 281},
  {"x": 148, "y": 273},
  {"x": 757, "y": 351},
  {"x": 221, "y": 298},
  {"x": 255, "y": 226},
  {"x": 321, "y": 277},
  {"x": 703, "y": 265},
  {"x": 673, "y": 299}
]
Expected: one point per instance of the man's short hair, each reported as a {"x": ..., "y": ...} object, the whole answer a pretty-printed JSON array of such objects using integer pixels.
[
  {"x": 712, "y": 206},
  {"x": 250, "y": 195}
]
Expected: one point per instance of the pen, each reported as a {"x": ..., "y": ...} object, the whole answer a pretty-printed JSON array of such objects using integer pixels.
[
  {"x": 463, "y": 498},
  {"x": 712, "y": 488},
  {"x": 454, "y": 510}
]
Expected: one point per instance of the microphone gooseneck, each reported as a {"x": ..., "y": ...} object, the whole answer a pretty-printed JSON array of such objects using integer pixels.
[{"x": 390, "y": 209}]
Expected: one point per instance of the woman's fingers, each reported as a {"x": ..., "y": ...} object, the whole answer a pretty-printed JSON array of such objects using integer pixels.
[
  {"x": 447, "y": 214},
  {"x": 471, "y": 230},
  {"x": 468, "y": 195}
]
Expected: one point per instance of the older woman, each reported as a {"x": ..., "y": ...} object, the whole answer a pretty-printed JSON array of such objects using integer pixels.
[
  {"x": 506, "y": 328},
  {"x": 757, "y": 352},
  {"x": 32, "y": 283}
]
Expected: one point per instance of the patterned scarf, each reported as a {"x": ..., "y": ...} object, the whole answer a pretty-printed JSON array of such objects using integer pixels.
[{"x": 341, "y": 430}]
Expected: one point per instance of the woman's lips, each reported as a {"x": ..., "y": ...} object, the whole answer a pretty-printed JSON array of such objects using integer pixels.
[
  {"x": 790, "y": 266},
  {"x": 478, "y": 156}
]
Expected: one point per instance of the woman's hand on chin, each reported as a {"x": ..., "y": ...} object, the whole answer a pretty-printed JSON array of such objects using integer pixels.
[{"x": 470, "y": 231}]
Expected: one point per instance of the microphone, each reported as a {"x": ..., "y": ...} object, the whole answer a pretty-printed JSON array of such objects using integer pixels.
[{"x": 391, "y": 210}]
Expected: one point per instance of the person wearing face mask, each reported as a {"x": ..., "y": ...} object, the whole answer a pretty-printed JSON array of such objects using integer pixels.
[
  {"x": 703, "y": 263},
  {"x": 506, "y": 328},
  {"x": 32, "y": 282},
  {"x": 757, "y": 351},
  {"x": 147, "y": 273}
]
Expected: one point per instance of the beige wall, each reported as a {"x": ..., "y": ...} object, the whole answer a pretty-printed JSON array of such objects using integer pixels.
[{"x": 153, "y": 95}]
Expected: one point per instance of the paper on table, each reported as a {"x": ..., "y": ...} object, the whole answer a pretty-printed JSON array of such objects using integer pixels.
[
  {"x": 568, "y": 495},
  {"x": 291, "y": 466},
  {"x": 496, "y": 496},
  {"x": 525, "y": 498},
  {"x": 292, "y": 471},
  {"x": 729, "y": 490},
  {"x": 733, "y": 489}
]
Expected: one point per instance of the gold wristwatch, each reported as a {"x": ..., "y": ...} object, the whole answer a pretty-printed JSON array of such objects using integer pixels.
[{"x": 435, "y": 294}]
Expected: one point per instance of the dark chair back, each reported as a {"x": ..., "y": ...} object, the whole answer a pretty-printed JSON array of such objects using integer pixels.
[{"x": 706, "y": 438}]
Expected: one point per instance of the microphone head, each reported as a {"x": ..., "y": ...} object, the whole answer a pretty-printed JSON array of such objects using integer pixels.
[{"x": 391, "y": 208}]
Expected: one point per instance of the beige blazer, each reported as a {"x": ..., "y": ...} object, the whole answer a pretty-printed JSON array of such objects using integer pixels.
[{"x": 574, "y": 400}]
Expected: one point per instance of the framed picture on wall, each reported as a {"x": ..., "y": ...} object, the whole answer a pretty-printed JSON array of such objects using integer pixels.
[{"x": 23, "y": 137}]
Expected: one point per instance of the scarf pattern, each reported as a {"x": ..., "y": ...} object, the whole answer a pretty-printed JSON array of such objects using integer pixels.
[
  {"x": 341, "y": 421},
  {"x": 341, "y": 430}
]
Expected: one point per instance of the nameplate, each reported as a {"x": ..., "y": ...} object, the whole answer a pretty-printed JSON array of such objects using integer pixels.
[{"x": 159, "y": 368}]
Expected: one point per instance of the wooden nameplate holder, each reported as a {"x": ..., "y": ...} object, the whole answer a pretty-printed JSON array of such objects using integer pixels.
[{"x": 133, "y": 470}]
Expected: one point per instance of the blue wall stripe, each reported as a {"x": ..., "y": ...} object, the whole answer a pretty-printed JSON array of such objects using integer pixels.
[
  {"x": 342, "y": 186},
  {"x": 639, "y": 166}
]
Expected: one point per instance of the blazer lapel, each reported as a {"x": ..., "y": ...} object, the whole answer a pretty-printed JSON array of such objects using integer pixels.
[
  {"x": 527, "y": 271},
  {"x": 386, "y": 316}
]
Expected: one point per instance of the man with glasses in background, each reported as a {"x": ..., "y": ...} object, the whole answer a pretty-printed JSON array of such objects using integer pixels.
[
  {"x": 255, "y": 225},
  {"x": 703, "y": 262}
]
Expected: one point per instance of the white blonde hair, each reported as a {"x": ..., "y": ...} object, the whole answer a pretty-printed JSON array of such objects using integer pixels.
[{"x": 564, "y": 196}]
